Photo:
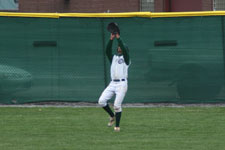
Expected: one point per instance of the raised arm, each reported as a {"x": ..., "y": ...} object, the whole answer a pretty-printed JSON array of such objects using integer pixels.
[
  {"x": 124, "y": 49},
  {"x": 109, "y": 48}
]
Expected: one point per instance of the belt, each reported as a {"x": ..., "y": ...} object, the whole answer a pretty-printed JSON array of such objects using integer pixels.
[{"x": 118, "y": 80}]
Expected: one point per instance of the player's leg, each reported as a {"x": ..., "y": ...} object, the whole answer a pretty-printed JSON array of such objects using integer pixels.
[
  {"x": 106, "y": 95},
  {"x": 120, "y": 94}
]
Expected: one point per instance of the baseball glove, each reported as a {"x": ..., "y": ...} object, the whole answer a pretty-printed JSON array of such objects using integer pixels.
[{"x": 113, "y": 28}]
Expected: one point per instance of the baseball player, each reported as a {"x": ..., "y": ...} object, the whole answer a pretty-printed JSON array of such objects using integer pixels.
[{"x": 118, "y": 85}]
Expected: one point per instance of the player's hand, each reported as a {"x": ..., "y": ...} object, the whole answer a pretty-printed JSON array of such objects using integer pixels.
[
  {"x": 112, "y": 36},
  {"x": 117, "y": 35}
]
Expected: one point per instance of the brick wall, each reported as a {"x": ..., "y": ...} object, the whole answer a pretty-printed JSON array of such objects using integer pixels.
[
  {"x": 36, "y": 6},
  {"x": 159, "y": 5},
  {"x": 93, "y": 6},
  {"x": 86, "y": 6},
  {"x": 206, "y": 5}
]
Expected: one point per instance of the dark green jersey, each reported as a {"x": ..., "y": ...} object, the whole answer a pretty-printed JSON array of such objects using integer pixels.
[{"x": 124, "y": 48}]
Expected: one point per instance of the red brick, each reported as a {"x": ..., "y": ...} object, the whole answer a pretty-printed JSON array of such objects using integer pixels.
[
  {"x": 84, "y": 6},
  {"x": 78, "y": 6}
]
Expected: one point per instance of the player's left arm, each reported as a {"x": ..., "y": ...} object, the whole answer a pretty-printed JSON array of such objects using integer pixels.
[{"x": 124, "y": 49}]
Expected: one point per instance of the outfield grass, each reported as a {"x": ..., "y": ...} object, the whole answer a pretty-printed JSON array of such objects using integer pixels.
[{"x": 161, "y": 128}]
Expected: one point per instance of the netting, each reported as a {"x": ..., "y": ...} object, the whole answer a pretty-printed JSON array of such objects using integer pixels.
[
  {"x": 147, "y": 5},
  {"x": 219, "y": 4},
  {"x": 177, "y": 60}
]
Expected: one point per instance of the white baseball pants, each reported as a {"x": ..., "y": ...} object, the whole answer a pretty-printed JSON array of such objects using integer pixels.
[{"x": 114, "y": 88}]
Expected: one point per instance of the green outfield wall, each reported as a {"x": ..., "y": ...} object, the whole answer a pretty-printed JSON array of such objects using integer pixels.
[{"x": 176, "y": 57}]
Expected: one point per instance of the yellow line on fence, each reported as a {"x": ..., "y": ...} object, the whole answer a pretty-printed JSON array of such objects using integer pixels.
[
  {"x": 107, "y": 15},
  {"x": 115, "y": 15},
  {"x": 39, "y": 15},
  {"x": 188, "y": 14}
]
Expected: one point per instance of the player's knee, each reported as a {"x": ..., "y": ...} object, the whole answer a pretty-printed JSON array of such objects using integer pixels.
[
  {"x": 117, "y": 108},
  {"x": 102, "y": 103}
]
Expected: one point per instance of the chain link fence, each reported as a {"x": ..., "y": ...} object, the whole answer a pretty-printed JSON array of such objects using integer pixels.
[
  {"x": 43, "y": 59},
  {"x": 147, "y": 5},
  {"x": 218, "y": 5}
]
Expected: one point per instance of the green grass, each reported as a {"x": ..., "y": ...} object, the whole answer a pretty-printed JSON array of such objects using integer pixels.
[{"x": 161, "y": 128}]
